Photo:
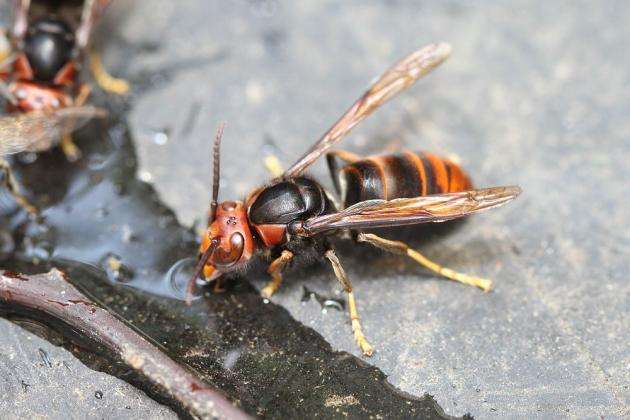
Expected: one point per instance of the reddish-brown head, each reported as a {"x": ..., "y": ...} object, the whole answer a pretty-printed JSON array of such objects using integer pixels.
[
  {"x": 228, "y": 243},
  {"x": 231, "y": 236}
]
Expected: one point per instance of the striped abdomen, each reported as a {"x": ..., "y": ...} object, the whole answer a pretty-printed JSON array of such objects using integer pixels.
[{"x": 406, "y": 175}]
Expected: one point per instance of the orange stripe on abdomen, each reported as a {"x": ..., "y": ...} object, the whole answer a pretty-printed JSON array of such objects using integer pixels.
[
  {"x": 459, "y": 181},
  {"x": 413, "y": 157},
  {"x": 404, "y": 175},
  {"x": 440, "y": 174}
]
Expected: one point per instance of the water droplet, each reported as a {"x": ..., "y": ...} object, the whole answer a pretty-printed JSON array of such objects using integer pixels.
[
  {"x": 38, "y": 249},
  {"x": 178, "y": 276},
  {"x": 116, "y": 271},
  {"x": 102, "y": 213},
  {"x": 38, "y": 243},
  {"x": 160, "y": 138},
  {"x": 145, "y": 176},
  {"x": 97, "y": 162},
  {"x": 27, "y": 158},
  {"x": 127, "y": 234},
  {"x": 98, "y": 395},
  {"x": 325, "y": 302}
]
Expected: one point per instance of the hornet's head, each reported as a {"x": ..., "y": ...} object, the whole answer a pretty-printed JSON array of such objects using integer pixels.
[
  {"x": 230, "y": 236},
  {"x": 227, "y": 243}
]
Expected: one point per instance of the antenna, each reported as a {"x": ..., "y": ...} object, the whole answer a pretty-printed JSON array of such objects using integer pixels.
[
  {"x": 216, "y": 169},
  {"x": 203, "y": 259}
]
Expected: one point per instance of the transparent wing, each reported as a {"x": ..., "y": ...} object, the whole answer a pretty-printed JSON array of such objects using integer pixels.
[
  {"x": 409, "y": 211},
  {"x": 92, "y": 10},
  {"x": 36, "y": 131},
  {"x": 20, "y": 18},
  {"x": 395, "y": 80}
]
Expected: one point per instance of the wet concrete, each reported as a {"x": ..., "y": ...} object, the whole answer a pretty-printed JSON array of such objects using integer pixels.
[{"x": 41, "y": 380}]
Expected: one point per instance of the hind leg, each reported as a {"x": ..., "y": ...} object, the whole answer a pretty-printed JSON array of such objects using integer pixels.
[
  {"x": 402, "y": 248},
  {"x": 103, "y": 79},
  {"x": 357, "y": 331},
  {"x": 9, "y": 181}
]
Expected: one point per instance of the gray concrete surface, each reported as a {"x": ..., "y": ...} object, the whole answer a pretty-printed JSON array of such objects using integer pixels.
[
  {"x": 40, "y": 380},
  {"x": 536, "y": 94}
]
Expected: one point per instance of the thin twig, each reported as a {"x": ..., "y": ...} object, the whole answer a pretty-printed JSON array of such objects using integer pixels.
[{"x": 52, "y": 295}]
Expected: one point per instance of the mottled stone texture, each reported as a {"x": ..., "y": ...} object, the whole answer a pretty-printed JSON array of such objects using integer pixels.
[
  {"x": 536, "y": 94},
  {"x": 39, "y": 380}
]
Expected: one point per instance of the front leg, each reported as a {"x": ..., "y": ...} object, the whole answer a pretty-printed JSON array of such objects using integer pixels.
[
  {"x": 6, "y": 60},
  {"x": 275, "y": 270},
  {"x": 67, "y": 144},
  {"x": 5, "y": 51},
  {"x": 273, "y": 165}
]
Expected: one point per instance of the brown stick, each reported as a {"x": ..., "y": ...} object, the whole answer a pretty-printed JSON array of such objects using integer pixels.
[{"x": 52, "y": 295}]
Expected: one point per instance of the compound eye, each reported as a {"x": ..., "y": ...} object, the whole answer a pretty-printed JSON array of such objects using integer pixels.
[{"x": 225, "y": 259}]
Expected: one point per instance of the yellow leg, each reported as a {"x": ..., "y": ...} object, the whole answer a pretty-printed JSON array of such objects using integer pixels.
[
  {"x": 359, "y": 337},
  {"x": 106, "y": 81},
  {"x": 398, "y": 247},
  {"x": 5, "y": 59},
  {"x": 67, "y": 144},
  {"x": 5, "y": 48},
  {"x": 69, "y": 148},
  {"x": 275, "y": 270},
  {"x": 82, "y": 96},
  {"x": 13, "y": 187},
  {"x": 273, "y": 165}
]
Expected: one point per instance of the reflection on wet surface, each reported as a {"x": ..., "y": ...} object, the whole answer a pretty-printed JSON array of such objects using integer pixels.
[
  {"x": 126, "y": 250},
  {"x": 324, "y": 302}
]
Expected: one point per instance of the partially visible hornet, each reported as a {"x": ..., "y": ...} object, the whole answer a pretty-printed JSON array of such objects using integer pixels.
[
  {"x": 37, "y": 131},
  {"x": 294, "y": 213},
  {"x": 40, "y": 66}
]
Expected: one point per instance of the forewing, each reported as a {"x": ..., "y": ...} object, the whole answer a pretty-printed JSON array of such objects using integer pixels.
[
  {"x": 409, "y": 211},
  {"x": 36, "y": 131},
  {"x": 92, "y": 10},
  {"x": 398, "y": 78}
]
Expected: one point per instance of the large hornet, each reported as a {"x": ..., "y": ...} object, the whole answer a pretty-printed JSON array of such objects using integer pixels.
[
  {"x": 294, "y": 212},
  {"x": 40, "y": 66}
]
